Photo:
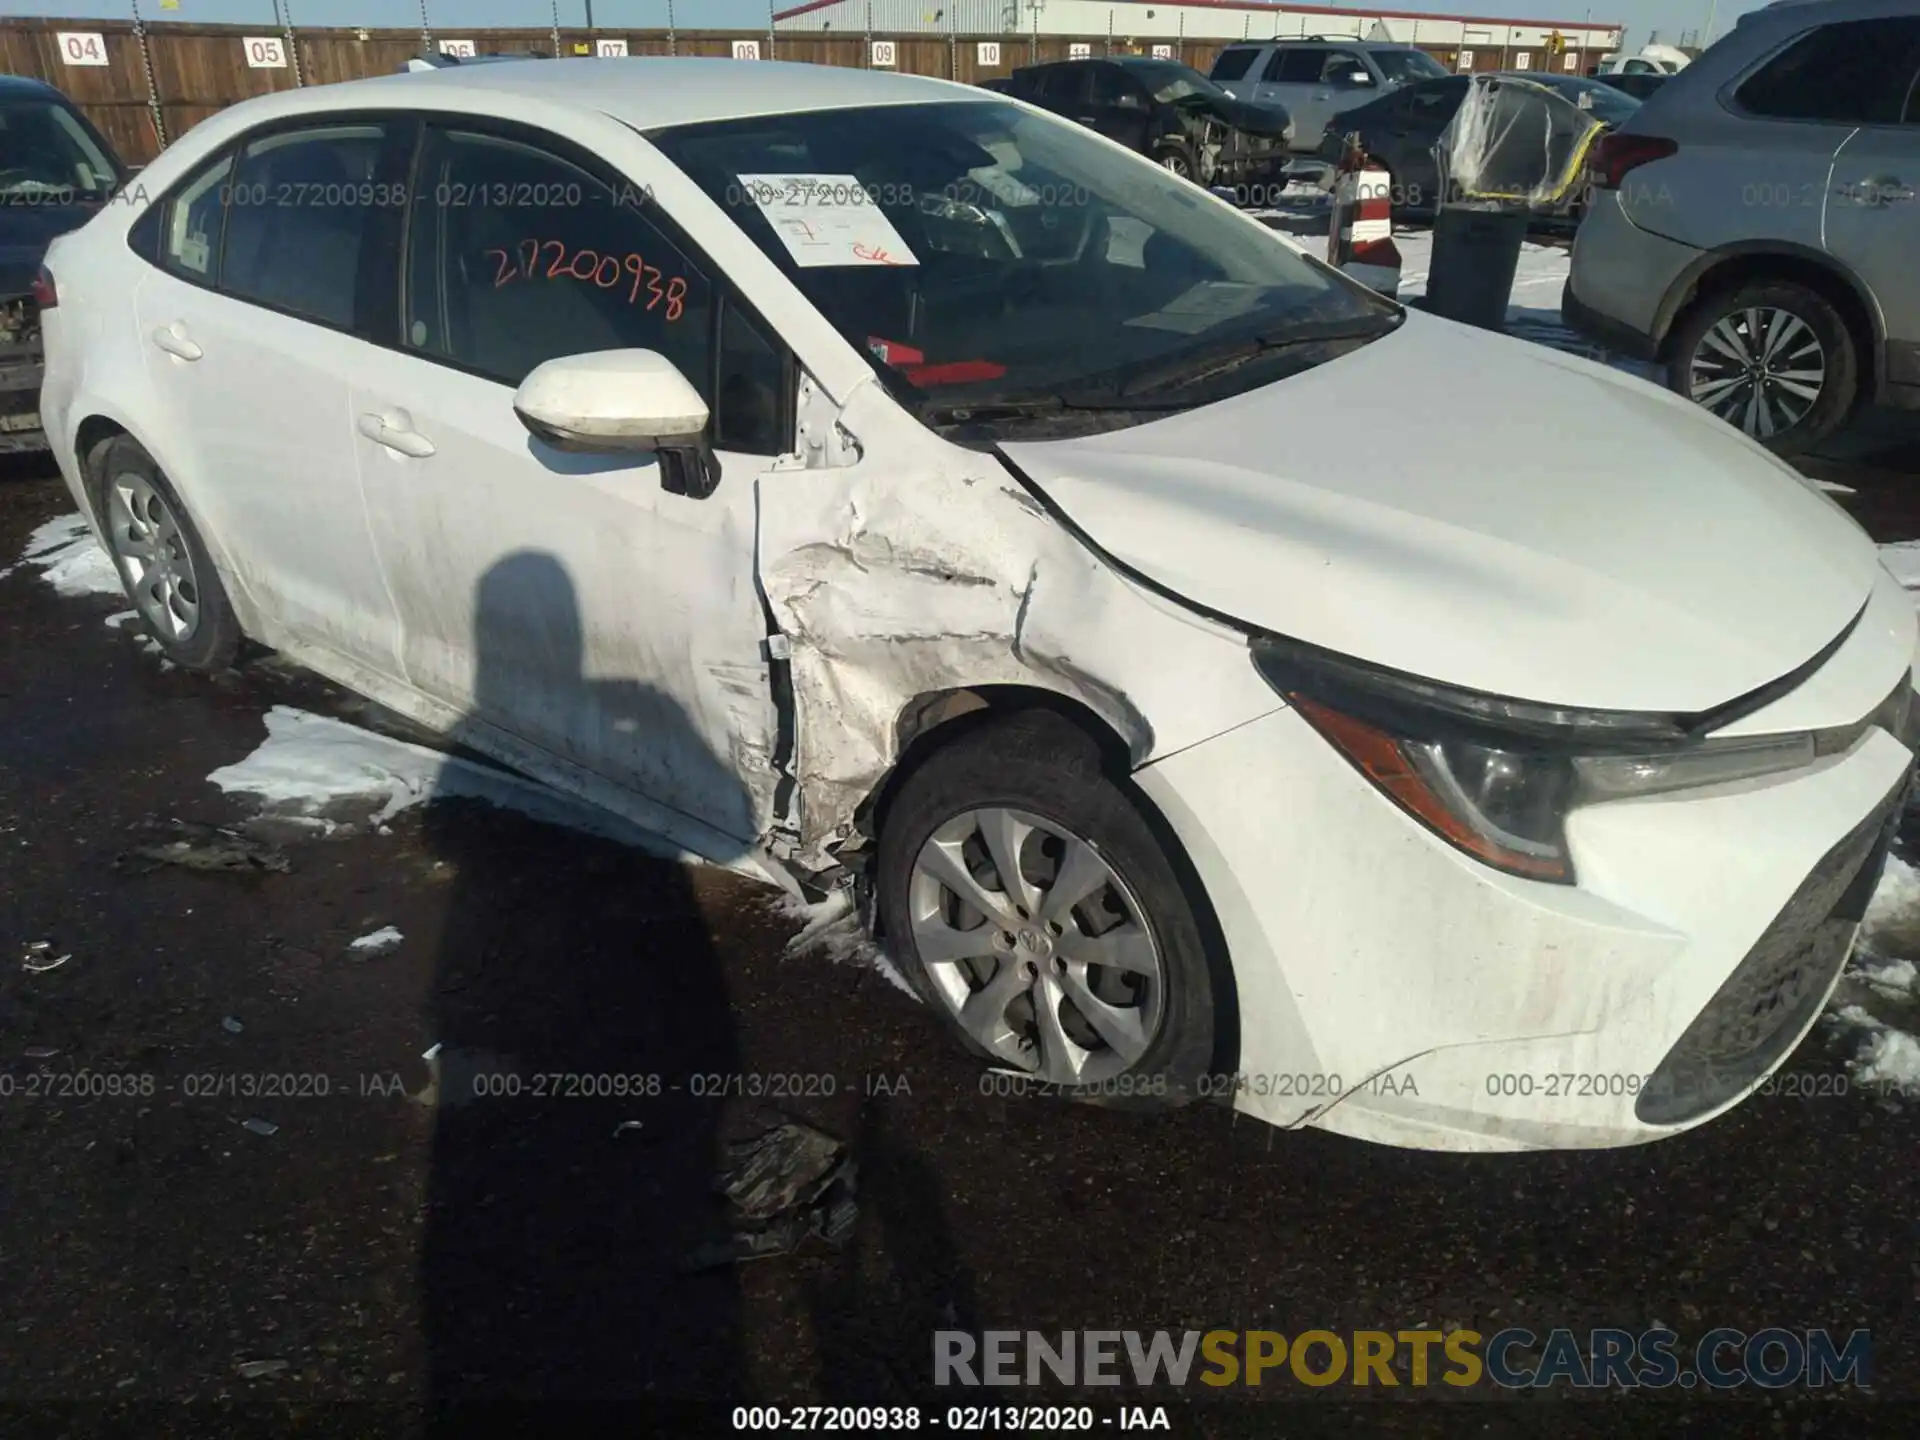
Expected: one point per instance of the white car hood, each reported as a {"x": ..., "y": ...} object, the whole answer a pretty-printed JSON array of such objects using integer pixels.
[{"x": 1483, "y": 512}]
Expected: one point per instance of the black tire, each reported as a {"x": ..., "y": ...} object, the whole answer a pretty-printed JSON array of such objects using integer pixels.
[
  {"x": 1176, "y": 157},
  {"x": 1041, "y": 763},
  {"x": 214, "y": 639},
  {"x": 1839, "y": 388}
]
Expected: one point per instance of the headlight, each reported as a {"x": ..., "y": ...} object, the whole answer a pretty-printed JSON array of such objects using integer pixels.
[{"x": 1498, "y": 777}]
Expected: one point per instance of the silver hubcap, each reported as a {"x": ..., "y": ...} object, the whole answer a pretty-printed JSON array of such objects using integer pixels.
[
  {"x": 147, "y": 541},
  {"x": 1175, "y": 164},
  {"x": 1036, "y": 946},
  {"x": 1762, "y": 369}
]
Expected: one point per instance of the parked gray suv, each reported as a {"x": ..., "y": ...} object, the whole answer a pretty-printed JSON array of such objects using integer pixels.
[
  {"x": 1755, "y": 226},
  {"x": 1316, "y": 79}
]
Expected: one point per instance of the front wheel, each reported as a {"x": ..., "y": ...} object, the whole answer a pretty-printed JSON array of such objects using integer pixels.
[
  {"x": 1176, "y": 158},
  {"x": 1773, "y": 357},
  {"x": 1040, "y": 917}
]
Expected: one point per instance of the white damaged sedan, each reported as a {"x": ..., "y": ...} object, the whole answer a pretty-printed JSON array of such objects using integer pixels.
[{"x": 1222, "y": 681}]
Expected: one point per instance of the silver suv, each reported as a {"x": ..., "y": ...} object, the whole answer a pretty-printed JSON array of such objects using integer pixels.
[
  {"x": 1316, "y": 79},
  {"x": 1755, "y": 225}
]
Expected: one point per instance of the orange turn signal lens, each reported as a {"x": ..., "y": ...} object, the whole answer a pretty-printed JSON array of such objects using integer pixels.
[{"x": 1384, "y": 760}]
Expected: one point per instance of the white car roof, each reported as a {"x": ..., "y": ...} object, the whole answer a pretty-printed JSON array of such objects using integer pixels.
[{"x": 647, "y": 92}]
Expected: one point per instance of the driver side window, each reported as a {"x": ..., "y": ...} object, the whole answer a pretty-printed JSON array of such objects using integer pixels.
[
  {"x": 1340, "y": 68},
  {"x": 1112, "y": 88},
  {"x": 517, "y": 256}
]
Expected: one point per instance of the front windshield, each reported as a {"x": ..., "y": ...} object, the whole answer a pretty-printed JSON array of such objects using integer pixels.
[
  {"x": 1171, "y": 83},
  {"x": 979, "y": 251},
  {"x": 46, "y": 155},
  {"x": 1401, "y": 66}
]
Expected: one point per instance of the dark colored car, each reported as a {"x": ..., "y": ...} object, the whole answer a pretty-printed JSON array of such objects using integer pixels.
[
  {"x": 1165, "y": 110},
  {"x": 56, "y": 171},
  {"x": 1639, "y": 86},
  {"x": 1402, "y": 129}
]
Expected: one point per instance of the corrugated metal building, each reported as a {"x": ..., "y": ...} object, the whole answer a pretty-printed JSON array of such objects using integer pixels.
[{"x": 1213, "y": 21}]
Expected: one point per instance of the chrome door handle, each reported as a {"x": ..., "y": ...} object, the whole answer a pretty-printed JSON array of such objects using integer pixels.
[
  {"x": 395, "y": 437},
  {"x": 173, "y": 339}
]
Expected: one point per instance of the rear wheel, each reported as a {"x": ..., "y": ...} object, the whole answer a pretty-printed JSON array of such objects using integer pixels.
[
  {"x": 1040, "y": 917},
  {"x": 163, "y": 565},
  {"x": 1772, "y": 357}
]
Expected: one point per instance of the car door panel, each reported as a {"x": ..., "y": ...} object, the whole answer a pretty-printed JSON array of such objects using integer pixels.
[
  {"x": 1873, "y": 228},
  {"x": 566, "y": 599},
  {"x": 260, "y": 399}
]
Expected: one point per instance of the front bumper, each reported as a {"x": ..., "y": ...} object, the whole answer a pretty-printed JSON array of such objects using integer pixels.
[{"x": 1392, "y": 989}]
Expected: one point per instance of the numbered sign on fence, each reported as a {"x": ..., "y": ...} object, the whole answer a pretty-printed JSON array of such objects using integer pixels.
[
  {"x": 609, "y": 49},
  {"x": 746, "y": 49},
  {"x": 884, "y": 54},
  {"x": 1523, "y": 61},
  {"x": 1163, "y": 52},
  {"x": 459, "y": 49},
  {"x": 988, "y": 54},
  {"x": 1466, "y": 60},
  {"x": 1079, "y": 50},
  {"x": 82, "y": 47},
  {"x": 1570, "y": 62},
  {"x": 265, "y": 52}
]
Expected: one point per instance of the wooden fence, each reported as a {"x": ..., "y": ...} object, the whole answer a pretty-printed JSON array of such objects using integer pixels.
[{"x": 146, "y": 87}]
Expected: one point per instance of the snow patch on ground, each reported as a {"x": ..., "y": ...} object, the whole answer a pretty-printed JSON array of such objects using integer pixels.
[
  {"x": 1897, "y": 899},
  {"x": 832, "y": 928},
  {"x": 385, "y": 938},
  {"x": 1878, "y": 1000},
  {"x": 70, "y": 559},
  {"x": 310, "y": 763}
]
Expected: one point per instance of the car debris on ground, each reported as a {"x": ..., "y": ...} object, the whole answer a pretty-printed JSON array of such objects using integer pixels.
[
  {"x": 782, "y": 1186},
  {"x": 211, "y": 849}
]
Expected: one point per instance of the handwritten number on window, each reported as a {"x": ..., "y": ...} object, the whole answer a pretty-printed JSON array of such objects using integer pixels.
[{"x": 551, "y": 260}]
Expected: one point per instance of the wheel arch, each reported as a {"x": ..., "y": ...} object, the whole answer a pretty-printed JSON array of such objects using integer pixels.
[
  {"x": 935, "y": 719},
  {"x": 1721, "y": 270},
  {"x": 99, "y": 426}
]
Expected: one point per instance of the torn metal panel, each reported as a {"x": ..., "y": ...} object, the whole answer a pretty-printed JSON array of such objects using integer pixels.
[{"x": 900, "y": 576}]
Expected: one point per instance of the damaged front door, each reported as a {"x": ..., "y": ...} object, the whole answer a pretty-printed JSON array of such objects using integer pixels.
[{"x": 572, "y": 600}]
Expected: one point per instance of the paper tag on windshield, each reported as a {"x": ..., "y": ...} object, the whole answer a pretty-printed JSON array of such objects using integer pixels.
[
  {"x": 827, "y": 220},
  {"x": 1202, "y": 307}
]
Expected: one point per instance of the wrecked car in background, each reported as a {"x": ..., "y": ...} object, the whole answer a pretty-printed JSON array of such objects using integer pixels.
[
  {"x": 1167, "y": 111},
  {"x": 887, "y": 486},
  {"x": 56, "y": 171}
]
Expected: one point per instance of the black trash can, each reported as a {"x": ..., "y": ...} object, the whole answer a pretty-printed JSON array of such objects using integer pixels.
[{"x": 1476, "y": 249}]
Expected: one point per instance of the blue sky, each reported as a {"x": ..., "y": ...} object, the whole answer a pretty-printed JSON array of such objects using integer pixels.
[{"x": 1670, "y": 17}]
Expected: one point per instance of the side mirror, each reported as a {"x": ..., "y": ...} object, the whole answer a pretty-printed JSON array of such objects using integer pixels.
[{"x": 623, "y": 401}]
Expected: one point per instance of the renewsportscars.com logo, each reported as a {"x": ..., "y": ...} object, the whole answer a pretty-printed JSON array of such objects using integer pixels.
[{"x": 1512, "y": 1359}]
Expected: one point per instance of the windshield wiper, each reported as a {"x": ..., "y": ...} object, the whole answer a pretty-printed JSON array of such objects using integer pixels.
[
  {"x": 1024, "y": 405},
  {"x": 1191, "y": 369}
]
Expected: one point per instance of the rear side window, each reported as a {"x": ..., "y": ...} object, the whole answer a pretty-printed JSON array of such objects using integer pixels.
[
  {"x": 297, "y": 212},
  {"x": 1067, "y": 84},
  {"x": 1296, "y": 67},
  {"x": 1233, "y": 64},
  {"x": 1860, "y": 72},
  {"x": 191, "y": 247}
]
